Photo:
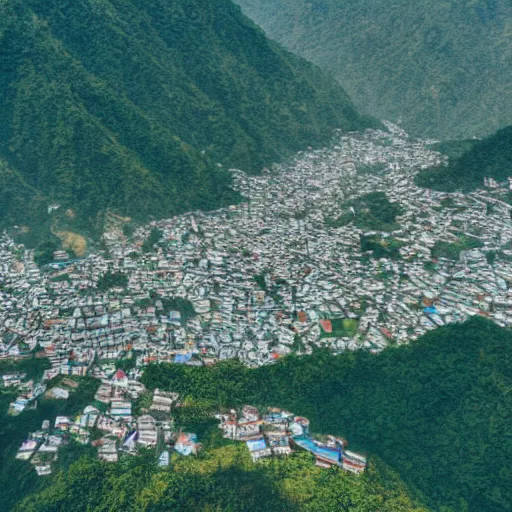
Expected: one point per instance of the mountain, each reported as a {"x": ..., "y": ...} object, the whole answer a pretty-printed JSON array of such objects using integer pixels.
[
  {"x": 443, "y": 68},
  {"x": 437, "y": 410},
  {"x": 487, "y": 158},
  {"x": 131, "y": 105}
]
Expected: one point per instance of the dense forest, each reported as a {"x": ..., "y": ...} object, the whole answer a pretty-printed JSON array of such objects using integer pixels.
[
  {"x": 438, "y": 410},
  {"x": 488, "y": 158},
  {"x": 134, "y": 105},
  {"x": 221, "y": 478},
  {"x": 442, "y": 68}
]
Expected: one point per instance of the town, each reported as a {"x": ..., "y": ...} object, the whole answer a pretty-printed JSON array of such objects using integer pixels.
[
  {"x": 270, "y": 276},
  {"x": 288, "y": 270}
]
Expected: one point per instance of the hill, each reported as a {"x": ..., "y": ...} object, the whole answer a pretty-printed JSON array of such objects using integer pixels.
[
  {"x": 487, "y": 158},
  {"x": 443, "y": 68},
  {"x": 130, "y": 106},
  {"x": 222, "y": 477},
  {"x": 437, "y": 410}
]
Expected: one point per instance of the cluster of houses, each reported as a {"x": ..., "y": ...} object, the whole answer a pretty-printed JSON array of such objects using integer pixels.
[
  {"x": 114, "y": 431},
  {"x": 41, "y": 447},
  {"x": 270, "y": 276},
  {"x": 110, "y": 426},
  {"x": 28, "y": 391},
  {"x": 277, "y": 432}
]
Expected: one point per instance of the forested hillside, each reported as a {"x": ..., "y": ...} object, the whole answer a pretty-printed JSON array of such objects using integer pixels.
[
  {"x": 130, "y": 105},
  {"x": 222, "y": 477},
  {"x": 487, "y": 158},
  {"x": 442, "y": 67},
  {"x": 438, "y": 410}
]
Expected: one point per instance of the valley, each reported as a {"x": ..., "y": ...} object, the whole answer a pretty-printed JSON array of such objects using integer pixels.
[
  {"x": 298, "y": 265},
  {"x": 233, "y": 279}
]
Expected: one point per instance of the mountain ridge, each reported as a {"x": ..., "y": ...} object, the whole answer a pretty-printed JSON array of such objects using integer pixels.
[
  {"x": 436, "y": 409},
  {"x": 490, "y": 157},
  {"x": 130, "y": 105},
  {"x": 440, "y": 67}
]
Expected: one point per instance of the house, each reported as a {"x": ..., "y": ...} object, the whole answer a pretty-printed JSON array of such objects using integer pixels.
[
  {"x": 353, "y": 462},
  {"x": 62, "y": 423},
  {"x": 278, "y": 442},
  {"x": 120, "y": 409},
  {"x": 26, "y": 450},
  {"x": 147, "y": 431},
  {"x": 12, "y": 379},
  {"x": 107, "y": 450},
  {"x": 250, "y": 413},
  {"x": 162, "y": 401},
  {"x": 43, "y": 470},
  {"x": 240, "y": 429},
  {"x": 258, "y": 448},
  {"x": 163, "y": 460},
  {"x": 187, "y": 444},
  {"x": 104, "y": 393}
]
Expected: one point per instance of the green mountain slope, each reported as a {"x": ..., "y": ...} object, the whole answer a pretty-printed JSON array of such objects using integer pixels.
[
  {"x": 130, "y": 104},
  {"x": 223, "y": 478},
  {"x": 444, "y": 68},
  {"x": 487, "y": 158},
  {"x": 18, "y": 198},
  {"x": 438, "y": 410}
]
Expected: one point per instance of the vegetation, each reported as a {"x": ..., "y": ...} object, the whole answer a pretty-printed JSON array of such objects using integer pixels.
[
  {"x": 32, "y": 366},
  {"x": 128, "y": 229},
  {"x": 490, "y": 257},
  {"x": 61, "y": 278},
  {"x": 223, "y": 478},
  {"x": 454, "y": 148},
  {"x": 19, "y": 201},
  {"x": 134, "y": 114},
  {"x": 260, "y": 280},
  {"x": 437, "y": 410},
  {"x": 43, "y": 254},
  {"x": 126, "y": 364},
  {"x": 154, "y": 237},
  {"x": 168, "y": 304},
  {"x": 18, "y": 478},
  {"x": 452, "y": 250},
  {"x": 373, "y": 211},
  {"x": 381, "y": 247},
  {"x": 342, "y": 327},
  {"x": 440, "y": 67},
  {"x": 112, "y": 280},
  {"x": 488, "y": 158},
  {"x": 184, "y": 306},
  {"x": 372, "y": 169}
]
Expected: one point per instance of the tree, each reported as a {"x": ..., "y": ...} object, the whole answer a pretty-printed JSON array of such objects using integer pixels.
[{"x": 112, "y": 280}]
